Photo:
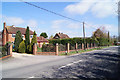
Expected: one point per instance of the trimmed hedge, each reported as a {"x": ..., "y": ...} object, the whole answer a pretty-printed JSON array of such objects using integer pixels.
[{"x": 72, "y": 41}]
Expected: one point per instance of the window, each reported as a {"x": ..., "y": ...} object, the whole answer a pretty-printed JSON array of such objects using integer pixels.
[
  {"x": 13, "y": 35},
  {"x": 31, "y": 36},
  {"x": 22, "y": 36}
]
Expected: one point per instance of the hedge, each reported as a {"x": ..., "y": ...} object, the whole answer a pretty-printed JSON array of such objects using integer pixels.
[
  {"x": 48, "y": 48},
  {"x": 97, "y": 41}
]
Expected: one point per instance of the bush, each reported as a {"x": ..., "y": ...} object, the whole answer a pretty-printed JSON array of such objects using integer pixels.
[
  {"x": 5, "y": 49},
  {"x": 30, "y": 48},
  {"x": 48, "y": 48},
  {"x": 22, "y": 47},
  {"x": 62, "y": 47}
]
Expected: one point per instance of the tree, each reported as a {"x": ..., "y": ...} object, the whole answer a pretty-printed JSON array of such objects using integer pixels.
[
  {"x": 51, "y": 37},
  {"x": 101, "y": 36},
  {"x": 22, "y": 47},
  {"x": 100, "y": 32},
  {"x": 34, "y": 39},
  {"x": 27, "y": 38},
  {"x": 44, "y": 34},
  {"x": 18, "y": 40}
]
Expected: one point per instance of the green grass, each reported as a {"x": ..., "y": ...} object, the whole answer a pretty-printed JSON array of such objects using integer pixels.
[{"x": 81, "y": 51}]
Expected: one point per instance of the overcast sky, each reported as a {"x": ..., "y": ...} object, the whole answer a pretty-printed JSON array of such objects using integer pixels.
[{"x": 95, "y": 13}]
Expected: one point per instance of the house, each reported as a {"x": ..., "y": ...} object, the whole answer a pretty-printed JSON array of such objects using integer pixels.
[
  {"x": 9, "y": 32},
  {"x": 41, "y": 40},
  {"x": 60, "y": 36}
]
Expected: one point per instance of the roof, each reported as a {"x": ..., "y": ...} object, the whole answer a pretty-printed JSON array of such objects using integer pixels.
[
  {"x": 41, "y": 39},
  {"x": 61, "y": 35},
  {"x": 13, "y": 30}
]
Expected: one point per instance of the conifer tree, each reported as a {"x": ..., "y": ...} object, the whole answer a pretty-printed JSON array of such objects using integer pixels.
[
  {"x": 34, "y": 39},
  {"x": 18, "y": 40},
  {"x": 27, "y": 38}
]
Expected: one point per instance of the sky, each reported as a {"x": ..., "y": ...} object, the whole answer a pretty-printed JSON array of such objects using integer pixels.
[{"x": 94, "y": 13}]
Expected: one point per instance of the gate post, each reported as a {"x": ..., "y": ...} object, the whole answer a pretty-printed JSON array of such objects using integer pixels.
[
  {"x": 87, "y": 45},
  {"x": 56, "y": 48},
  {"x": 34, "y": 49},
  {"x": 68, "y": 47},
  {"x": 76, "y": 46},
  {"x": 82, "y": 46},
  {"x": 9, "y": 49}
]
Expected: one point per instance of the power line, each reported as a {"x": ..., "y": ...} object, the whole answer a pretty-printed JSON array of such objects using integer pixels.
[
  {"x": 50, "y": 11},
  {"x": 91, "y": 26}
]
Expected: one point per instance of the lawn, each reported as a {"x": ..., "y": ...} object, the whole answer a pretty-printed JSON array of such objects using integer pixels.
[{"x": 81, "y": 51}]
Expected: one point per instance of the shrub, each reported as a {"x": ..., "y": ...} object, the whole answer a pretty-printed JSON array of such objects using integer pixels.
[
  {"x": 48, "y": 48},
  {"x": 5, "y": 49},
  {"x": 62, "y": 47},
  {"x": 22, "y": 47},
  {"x": 30, "y": 48}
]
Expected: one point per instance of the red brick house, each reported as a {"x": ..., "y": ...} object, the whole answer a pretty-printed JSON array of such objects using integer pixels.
[
  {"x": 9, "y": 32},
  {"x": 60, "y": 36},
  {"x": 41, "y": 40}
]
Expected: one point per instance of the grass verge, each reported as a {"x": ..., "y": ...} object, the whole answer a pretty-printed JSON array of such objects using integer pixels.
[{"x": 81, "y": 51}]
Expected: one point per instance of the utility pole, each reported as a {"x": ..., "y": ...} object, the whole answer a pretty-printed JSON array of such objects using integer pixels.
[
  {"x": 84, "y": 36},
  {"x": 108, "y": 38}
]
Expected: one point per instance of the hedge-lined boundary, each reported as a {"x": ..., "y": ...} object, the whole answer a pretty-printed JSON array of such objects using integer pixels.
[
  {"x": 72, "y": 52},
  {"x": 98, "y": 41}
]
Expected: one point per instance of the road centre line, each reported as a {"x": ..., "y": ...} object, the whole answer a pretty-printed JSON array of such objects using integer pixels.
[{"x": 71, "y": 64}]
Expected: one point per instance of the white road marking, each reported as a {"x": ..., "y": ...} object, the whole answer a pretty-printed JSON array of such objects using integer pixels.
[
  {"x": 32, "y": 77},
  {"x": 71, "y": 64}
]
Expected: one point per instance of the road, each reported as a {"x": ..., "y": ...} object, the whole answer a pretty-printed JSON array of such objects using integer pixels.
[{"x": 94, "y": 64}]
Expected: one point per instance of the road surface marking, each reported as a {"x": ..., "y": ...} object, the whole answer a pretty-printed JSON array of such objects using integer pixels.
[{"x": 71, "y": 64}]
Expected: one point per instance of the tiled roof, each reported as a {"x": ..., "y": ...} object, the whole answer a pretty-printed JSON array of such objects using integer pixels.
[
  {"x": 13, "y": 30},
  {"x": 62, "y": 36},
  {"x": 41, "y": 39}
]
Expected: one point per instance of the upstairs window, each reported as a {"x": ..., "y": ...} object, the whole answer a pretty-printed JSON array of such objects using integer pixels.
[{"x": 13, "y": 35}]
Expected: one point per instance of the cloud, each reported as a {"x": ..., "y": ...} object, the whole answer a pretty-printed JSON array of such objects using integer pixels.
[
  {"x": 65, "y": 23},
  {"x": 57, "y": 23},
  {"x": 74, "y": 29},
  {"x": 13, "y": 20},
  {"x": 32, "y": 23},
  {"x": 111, "y": 28},
  {"x": 80, "y": 8},
  {"x": 17, "y": 21},
  {"x": 104, "y": 8},
  {"x": 99, "y": 8}
]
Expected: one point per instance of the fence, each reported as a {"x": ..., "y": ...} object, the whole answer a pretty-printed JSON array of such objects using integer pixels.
[{"x": 60, "y": 48}]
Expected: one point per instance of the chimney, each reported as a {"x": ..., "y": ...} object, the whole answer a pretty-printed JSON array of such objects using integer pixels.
[{"x": 4, "y": 34}]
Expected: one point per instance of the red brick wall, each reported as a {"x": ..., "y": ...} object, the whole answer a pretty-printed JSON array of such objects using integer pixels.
[{"x": 46, "y": 53}]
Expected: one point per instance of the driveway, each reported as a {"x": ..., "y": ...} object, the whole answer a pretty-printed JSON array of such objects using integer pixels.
[{"x": 95, "y": 64}]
